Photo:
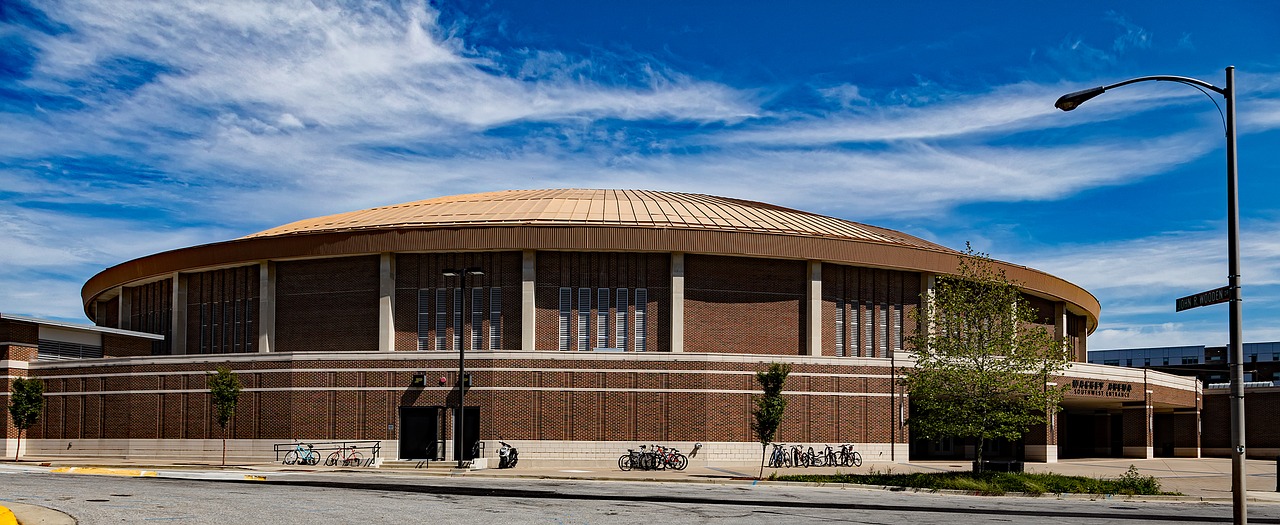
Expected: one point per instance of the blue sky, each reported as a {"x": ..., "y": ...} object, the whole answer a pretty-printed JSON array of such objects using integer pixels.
[{"x": 129, "y": 128}]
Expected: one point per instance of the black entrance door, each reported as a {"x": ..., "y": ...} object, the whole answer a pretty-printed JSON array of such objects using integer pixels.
[
  {"x": 470, "y": 433},
  {"x": 418, "y": 427}
]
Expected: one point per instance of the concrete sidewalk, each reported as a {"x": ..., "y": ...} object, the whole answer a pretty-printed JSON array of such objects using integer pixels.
[{"x": 1204, "y": 478}]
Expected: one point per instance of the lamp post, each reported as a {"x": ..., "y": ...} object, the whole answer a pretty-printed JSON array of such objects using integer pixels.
[
  {"x": 1069, "y": 102},
  {"x": 462, "y": 274}
]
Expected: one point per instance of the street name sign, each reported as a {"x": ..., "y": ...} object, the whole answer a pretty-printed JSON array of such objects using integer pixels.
[{"x": 1215, "y": 296}]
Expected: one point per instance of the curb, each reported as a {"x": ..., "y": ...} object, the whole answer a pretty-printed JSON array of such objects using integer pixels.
[{"x": 32, "y": 515}]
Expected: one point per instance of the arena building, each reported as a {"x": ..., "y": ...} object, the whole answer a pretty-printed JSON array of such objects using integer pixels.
[{"x": 591, "y": 321}]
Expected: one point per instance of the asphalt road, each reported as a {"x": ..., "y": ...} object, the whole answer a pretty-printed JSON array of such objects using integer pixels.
[{"x": 367, "y": 499}]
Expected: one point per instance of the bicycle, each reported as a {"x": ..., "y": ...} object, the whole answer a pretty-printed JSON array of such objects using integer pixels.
[
  {"x": 850, "y": 457},
  {"x": 300, "y": 455},
  {"x": 779, "y": 458},
  {"x": 347, "y": 456}
]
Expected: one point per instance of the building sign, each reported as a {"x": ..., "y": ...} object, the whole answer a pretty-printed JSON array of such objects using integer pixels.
[{"x": 1081, "y": 387}]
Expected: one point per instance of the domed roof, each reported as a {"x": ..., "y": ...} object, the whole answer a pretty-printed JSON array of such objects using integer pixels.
[{"x": 585, "y": 207}]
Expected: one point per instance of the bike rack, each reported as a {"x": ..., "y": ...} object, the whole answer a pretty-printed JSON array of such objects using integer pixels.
[{"x": 374, "y": 446}]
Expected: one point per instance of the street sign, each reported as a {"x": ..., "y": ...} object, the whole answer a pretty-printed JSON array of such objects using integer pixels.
[{"x": 1215, "y": 296}]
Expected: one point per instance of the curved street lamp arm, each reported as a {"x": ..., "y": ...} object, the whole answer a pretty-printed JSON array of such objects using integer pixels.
[{"x": 1071, "y": 101}]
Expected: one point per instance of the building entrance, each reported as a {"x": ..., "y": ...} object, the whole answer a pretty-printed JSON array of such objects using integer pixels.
[
  {"x": 470, "y": 434},
  {"x": 420, "y": 431}
]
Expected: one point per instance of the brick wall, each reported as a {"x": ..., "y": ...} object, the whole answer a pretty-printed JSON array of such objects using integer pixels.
[
  {"x": 744, "y": 306},
  {"x": 611, "y": 271},
  {"x": 415, "y": 272},
  {"x": 327, "y": 305},
  {"x": 877, "y": 308},
  {"x": 151, "y": 311},
  {"x": 222, "y": 310}
]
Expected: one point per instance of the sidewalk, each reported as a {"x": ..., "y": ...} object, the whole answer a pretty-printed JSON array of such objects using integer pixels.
[{"x": 1207, "y": 479}]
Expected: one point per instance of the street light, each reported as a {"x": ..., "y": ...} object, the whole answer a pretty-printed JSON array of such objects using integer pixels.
[
  {"x": 1069, "y": 102},
  {"x": 462, "y": 274}
]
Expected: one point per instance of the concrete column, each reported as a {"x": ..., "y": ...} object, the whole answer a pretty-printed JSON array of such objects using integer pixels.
[
  {"x": 386, "y": 302},
  {"x": 928, "y": 286},
  {"x": 528, "y": 302},
  {"x": 178, "y": 332},
  {"x": 1137, "y": 432},
  {"x": 813, "y": 310},
  {"x": 124, "y": 322},
  {"x": 1041, "y": 441},
  {"x": 677, "y": 302},
  {"x": 266, "y": 306},
  {"x": 1186, "y": 433}
]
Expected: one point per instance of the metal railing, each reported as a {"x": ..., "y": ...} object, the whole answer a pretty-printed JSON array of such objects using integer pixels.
[{"x": 373, "y": 446}]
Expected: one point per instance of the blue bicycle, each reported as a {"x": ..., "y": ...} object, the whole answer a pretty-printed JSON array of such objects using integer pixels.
[{"x": 302, "y": 455}]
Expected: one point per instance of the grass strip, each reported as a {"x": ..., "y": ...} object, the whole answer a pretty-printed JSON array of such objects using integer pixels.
[{"x": 997, "y": 483}]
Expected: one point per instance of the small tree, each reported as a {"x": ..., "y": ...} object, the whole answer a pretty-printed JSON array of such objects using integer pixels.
[
  {"x": 224, "y": 389},
  {"x": 767, "y": 415},
  {"x": 983, "y": 359},
  {"x": 26, "y": 402}
]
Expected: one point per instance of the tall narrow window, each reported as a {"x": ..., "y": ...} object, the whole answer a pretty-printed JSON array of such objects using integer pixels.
[
  {"x": 204, "y": 327},
  {"x": 424, "y": 319},
  {"x": 566, "y": 306},
  {"x": 215, "y": 344},
  {"x": 457, "y": 319},
  {"x": 869, "y": 330},
  {"x": 897, "y": 328},
  {"x": 839, "y": 328},
  {"x": 584, "y": 319},
  {"x": 442, "y": 319},
  {"x": 477, "y": 318},
  {"x": 642, "y": 306},
  {"x": 620, "y": 325},
  {"x": 495, "y": 318},
  {"x": 602, "y": 318},
  {"x": 884, "y": 330}
]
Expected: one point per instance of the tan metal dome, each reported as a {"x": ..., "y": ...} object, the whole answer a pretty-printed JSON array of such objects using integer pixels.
[{"x": 585, "y": 207}]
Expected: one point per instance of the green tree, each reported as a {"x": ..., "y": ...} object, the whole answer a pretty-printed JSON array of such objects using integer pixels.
[
  {"x": 26, "y": 402},
  {"x": 224, "y": 389},
  {"x": 983, "y": 359},
  {"x": 767, "y": 415}
]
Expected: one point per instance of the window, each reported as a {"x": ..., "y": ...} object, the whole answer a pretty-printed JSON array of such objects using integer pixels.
[
  {"x": 642, "y": 305},
  {"x": 495, "y": 318},
  {"x": 477, "y": 318},
  {"x": 584, "y": 319},
  {"x": 1190, "y": 360},
  {"x": 1253, "y": 358},
  {"x": 1166, "y": 360},
  {"x": 566, "y": 304},
  {"x": 620, "y": 325},
  {"x": 457, "y": 319},
  {"x": 442, "y": 318},
  {"x": 602, "y": 318},
  {"x": 897, "y": 328},
  {"x": 1111, "y": 362},
  {"x": 1146, "y": 361},
  {"x": 839, "y": 328},
  {"x": 868, "y": 330},
  {"x": 424, "y": 319},
  {"x": 884, "y": 330},
  {"x": 1128, "y": 362}
]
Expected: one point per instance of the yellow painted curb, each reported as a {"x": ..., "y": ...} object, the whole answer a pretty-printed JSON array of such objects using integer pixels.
[
  {"x": 6, "y": 517},
  {"x": 99, "y": 471},
  {"x": 251, "y": 477}
]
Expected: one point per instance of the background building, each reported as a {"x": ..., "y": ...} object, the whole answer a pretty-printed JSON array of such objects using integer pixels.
[{"x": 601, "y": 319}]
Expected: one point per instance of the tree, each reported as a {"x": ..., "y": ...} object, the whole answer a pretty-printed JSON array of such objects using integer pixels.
[
  {"x": 767, "y": 415},
  {"x": 26, "y": 402},
  {"x": 983, "y": 359},
  {"x": 224, "y": 389}
]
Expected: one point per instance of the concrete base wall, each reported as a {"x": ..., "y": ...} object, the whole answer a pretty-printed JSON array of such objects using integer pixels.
[
  {"x": 1186, "y": 452},
  {"x": 540, "y": 453},
  {"x": 1042, "y": 453},
  {"x": 1251, "y": 453},
  {"x": 1139, "y": 452}
]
